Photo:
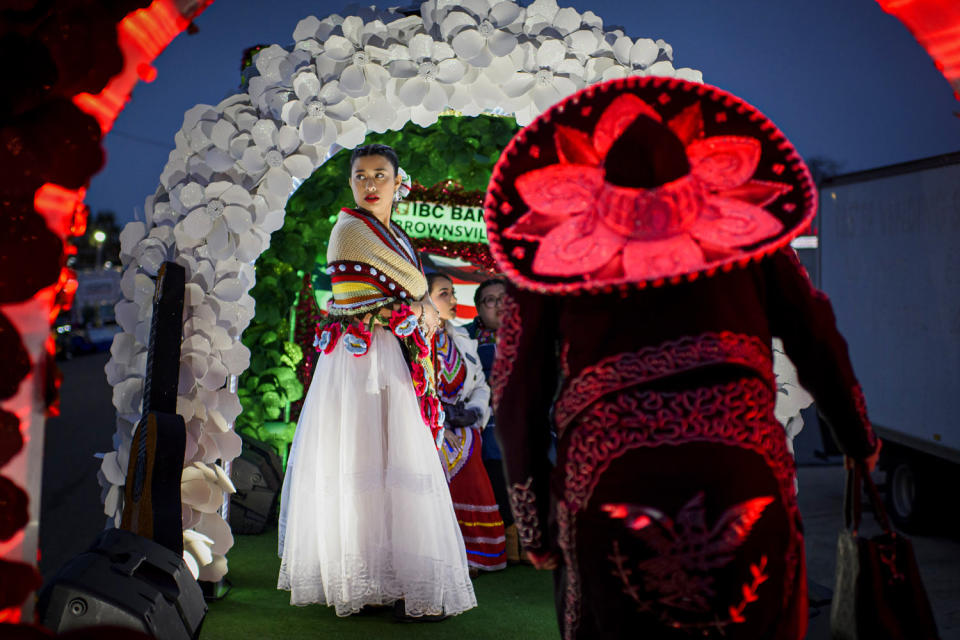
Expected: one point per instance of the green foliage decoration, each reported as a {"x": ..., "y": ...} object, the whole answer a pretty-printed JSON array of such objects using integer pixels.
[{"x": 457, "y": 148}]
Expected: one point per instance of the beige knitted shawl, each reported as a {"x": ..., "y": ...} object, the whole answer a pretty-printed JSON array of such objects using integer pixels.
[{"x": 359, "y": 240}]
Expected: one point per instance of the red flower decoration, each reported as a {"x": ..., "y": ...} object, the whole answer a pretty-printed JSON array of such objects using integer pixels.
[
  {"x": 587, "y": 226},
  {"x": 356, "y": 339},
  {"x": 326, "y": 339},
  {"x": 423, "y": 349},
  {"x": 419, "y": 378},
  {"x": 430, "y": 411},
  {"x": 403, "y": 321}
]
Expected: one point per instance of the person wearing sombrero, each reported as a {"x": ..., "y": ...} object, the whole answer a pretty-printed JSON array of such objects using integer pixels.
[{"x": 645, "y": 225}]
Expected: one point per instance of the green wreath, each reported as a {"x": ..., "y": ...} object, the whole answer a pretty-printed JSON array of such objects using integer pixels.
[{"x": 461, "y": 149}]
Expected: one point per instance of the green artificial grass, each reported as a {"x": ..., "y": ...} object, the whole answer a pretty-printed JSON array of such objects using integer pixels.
[{"x": 513, "y": 604}]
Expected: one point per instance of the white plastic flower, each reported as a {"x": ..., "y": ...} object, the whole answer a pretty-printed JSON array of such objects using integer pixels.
[
  {"x": 219, "y": 138},
  {"x": 128, "y": 359},
  {"x": 276, "y": 66},
  {"x": 317, "y": 108},
  {"x": 196, "y": 551},
  {"x": 207, "y": 537},
  {"x": 209, "y": 412},
  {"x": 432, "y": 66},
  {"x": 202, "y": 487},
  {"x": 373, "y": 113},
  {"x": 274, "y": 152},
  {"x": 194, "y": 141},
  {"x": 405, "y": 185},
  {"x": 311, "y": 32},
  {"x": 213, "y": 215},
  {"x": 198, "y": 365},
  {"x": 543, "y": 15},
  {"x": 686, "y": 73},
  {"x": 479, "y": 32},
  {"x": 547, "y": 75},
  {"x": 363, "y": 72},
  {"x": 402, "y": 28},
  {"x": 635, "y": 58},
  {"x": 151, "y": 252},
  {"x": 112, "y": 475},
  {"x": 132, "y": 233},
  {"x": 213, "y": 527},
  {"x": 208, "y": 146},
  {"x": 270, "y": 63},
  {"x": 584, "y": 35},
  {"x": 791, "y": 396},
  {"x": 432, "y": 13},
  {"x": 643, "y": 57}
]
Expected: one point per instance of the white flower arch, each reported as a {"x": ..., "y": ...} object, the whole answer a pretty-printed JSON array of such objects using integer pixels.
[{"x": 226, "y": 183}]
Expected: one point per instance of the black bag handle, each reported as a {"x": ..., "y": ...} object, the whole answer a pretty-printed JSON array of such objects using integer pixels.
[{"x": 852, "y": 507}]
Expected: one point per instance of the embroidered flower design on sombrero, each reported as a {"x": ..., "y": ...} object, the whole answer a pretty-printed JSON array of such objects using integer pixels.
[{"x": 589, "y": 225}]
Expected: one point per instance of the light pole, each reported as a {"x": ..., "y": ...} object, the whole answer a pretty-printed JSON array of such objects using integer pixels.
[{"x": 99, "y": 237}]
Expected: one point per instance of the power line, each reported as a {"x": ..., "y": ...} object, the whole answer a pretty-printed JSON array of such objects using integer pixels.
[{"x": 122, "y": 134}]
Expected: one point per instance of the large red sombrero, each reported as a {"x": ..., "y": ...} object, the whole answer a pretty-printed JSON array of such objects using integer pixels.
[{"x": 643, "y": 181}]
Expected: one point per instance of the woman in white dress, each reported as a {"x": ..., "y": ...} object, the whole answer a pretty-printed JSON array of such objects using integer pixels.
[{"x": 366, "y": 517}]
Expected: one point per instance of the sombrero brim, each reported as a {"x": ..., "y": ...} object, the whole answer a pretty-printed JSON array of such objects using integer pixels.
[{"x": 572, "y": 239}]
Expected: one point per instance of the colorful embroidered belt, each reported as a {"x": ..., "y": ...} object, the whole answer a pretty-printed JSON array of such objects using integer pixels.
[{"x": 629, "y": 369}]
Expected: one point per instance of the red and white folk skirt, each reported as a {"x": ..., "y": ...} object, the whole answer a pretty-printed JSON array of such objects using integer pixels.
[{"x": 473, "y": 501}]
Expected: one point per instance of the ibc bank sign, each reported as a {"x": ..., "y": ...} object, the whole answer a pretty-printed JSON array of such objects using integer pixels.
[{"x": 442, "y": 222}]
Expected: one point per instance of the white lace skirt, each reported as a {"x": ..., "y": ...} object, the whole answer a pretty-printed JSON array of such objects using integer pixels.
[{"x": 365, "y": 514}]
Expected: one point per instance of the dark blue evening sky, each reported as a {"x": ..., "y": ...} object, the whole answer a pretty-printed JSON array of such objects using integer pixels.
[{"x": 843, "y": 80}]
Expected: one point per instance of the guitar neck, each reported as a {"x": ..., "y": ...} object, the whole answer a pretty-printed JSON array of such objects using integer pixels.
[{"x": 166, "y": 333}]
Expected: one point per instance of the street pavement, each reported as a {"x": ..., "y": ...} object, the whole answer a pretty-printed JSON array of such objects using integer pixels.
[{"x": 72, "y": 516}]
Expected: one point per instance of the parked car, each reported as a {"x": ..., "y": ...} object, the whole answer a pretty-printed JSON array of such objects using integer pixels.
[{"x": 72, "y": 341}]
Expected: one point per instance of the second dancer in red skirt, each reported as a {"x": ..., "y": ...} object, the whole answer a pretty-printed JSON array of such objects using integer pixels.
[{"x": 463, "y": 390}]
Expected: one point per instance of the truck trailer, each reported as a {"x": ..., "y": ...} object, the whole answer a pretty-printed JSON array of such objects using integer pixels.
[{"x": 889, "y": 259}]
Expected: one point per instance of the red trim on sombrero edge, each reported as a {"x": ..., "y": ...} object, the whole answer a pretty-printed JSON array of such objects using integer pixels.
[{"x": 779, "y": 156}]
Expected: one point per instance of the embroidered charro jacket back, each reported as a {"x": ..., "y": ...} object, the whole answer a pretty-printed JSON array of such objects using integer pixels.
[
  {"x": 611, "y": 375},
  {"x": 610, "y": 345}
]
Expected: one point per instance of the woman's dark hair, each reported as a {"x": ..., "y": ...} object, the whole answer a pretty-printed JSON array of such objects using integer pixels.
[
  {"x": 433, "y": 277},
  {"x": 478, "y": 294},
  {"x": 376, "y": 150}
]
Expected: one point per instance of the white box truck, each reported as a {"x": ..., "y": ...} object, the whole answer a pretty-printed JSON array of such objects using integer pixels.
[{"x": 889, "y": 258}]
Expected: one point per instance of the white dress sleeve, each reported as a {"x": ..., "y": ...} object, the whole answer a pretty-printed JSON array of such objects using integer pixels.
[{"x": 476, "y": 392}]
